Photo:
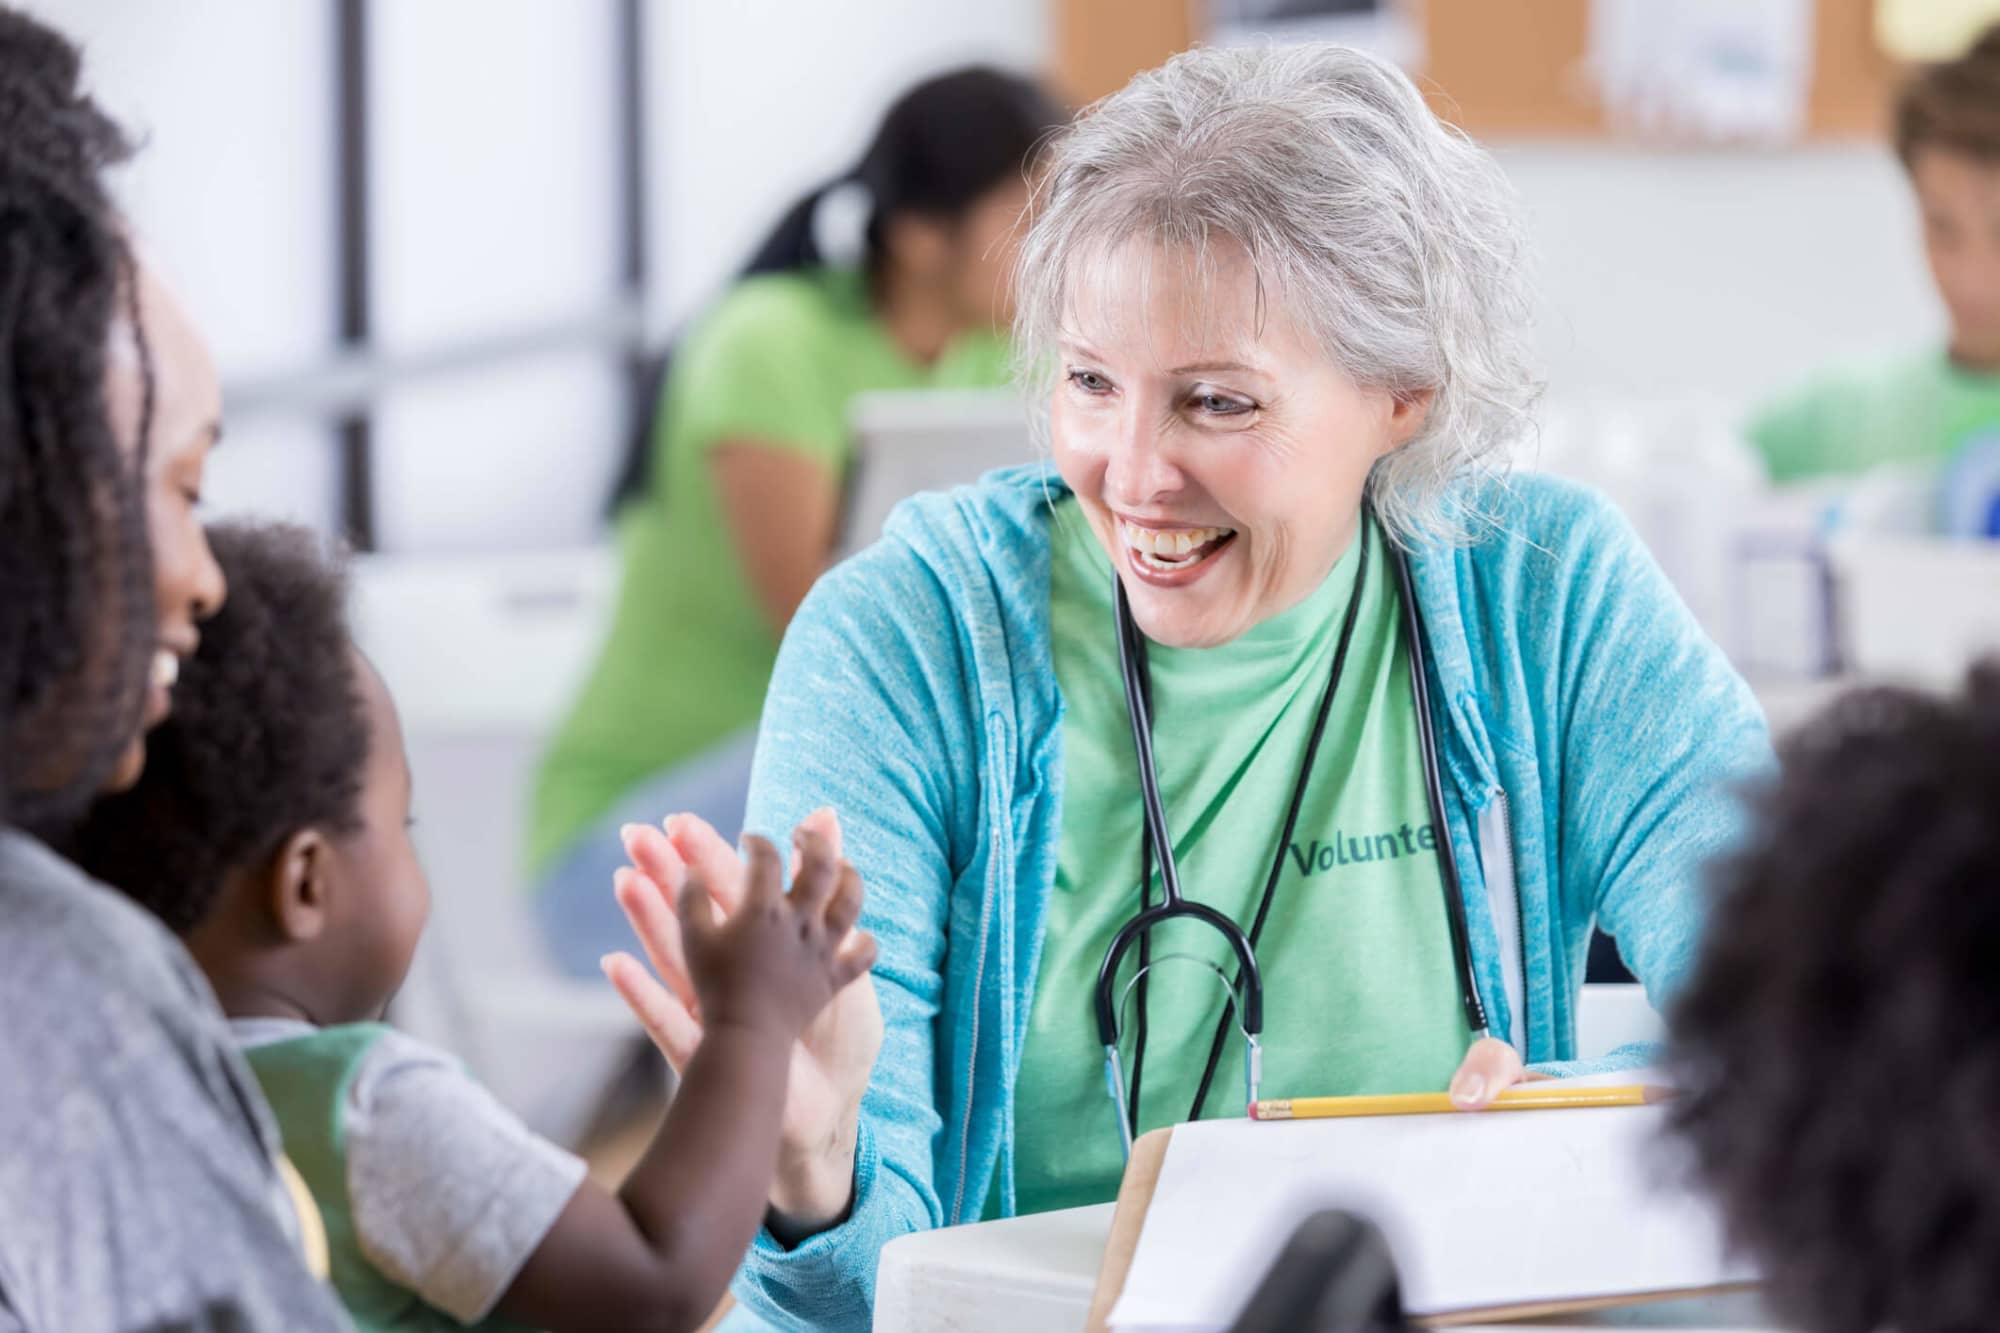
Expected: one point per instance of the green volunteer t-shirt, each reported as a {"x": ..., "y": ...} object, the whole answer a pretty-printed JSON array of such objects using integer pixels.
[
  {"x": 1918, "y": 410},
  {"x": 1361, "y": 989},
  {"x": 690, "y": 649}
]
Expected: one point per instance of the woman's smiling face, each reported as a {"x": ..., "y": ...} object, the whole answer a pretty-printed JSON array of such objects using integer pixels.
[
  {"x": 1218, "y": 451},
  {"x": 176, "y": 379}
]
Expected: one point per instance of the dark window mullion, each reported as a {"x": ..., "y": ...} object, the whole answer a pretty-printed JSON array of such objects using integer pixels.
[
  {"x": 351, "y": 205},
  {"x": 642, "y": 369}
]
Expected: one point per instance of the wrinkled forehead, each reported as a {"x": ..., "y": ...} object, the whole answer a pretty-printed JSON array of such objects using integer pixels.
[{"x": 1157, "y": 304}]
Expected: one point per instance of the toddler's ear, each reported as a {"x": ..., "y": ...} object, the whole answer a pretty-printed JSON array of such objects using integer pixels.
[{"x": 298, "y": 889}]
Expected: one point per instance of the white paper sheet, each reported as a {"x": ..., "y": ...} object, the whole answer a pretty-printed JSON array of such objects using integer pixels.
[
  {"x": 1704, "y": 70},
  {"x": 1481, "y": 1210}
]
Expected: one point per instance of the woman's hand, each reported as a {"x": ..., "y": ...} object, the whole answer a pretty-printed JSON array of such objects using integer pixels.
[
  {"x": 1489, "y": 1069},
  {"x": 774, "y": 966},
  {"x": 831, "y": 1062}
]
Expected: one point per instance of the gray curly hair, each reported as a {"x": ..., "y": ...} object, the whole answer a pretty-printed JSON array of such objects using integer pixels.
[{"x": 1393, "y": 239}]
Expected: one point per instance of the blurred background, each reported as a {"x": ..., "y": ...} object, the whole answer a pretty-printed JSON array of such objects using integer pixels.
[{"x": 438, "y": 245}]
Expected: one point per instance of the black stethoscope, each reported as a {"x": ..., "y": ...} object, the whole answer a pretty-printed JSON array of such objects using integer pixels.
[{"x": 1249, "y": 985}]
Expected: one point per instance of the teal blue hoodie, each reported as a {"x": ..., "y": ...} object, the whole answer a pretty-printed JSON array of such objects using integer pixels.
[{"x": 1591, "y": 741}]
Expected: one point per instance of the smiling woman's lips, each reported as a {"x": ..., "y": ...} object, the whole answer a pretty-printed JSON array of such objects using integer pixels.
[{"x": 1180, "y": 570}]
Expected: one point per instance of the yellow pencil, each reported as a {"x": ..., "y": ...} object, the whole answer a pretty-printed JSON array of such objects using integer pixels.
[{"x": 1524, "y": 1097}]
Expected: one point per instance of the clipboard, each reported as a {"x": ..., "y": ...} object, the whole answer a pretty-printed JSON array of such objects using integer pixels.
[{"x": 1135, "y": 1196}]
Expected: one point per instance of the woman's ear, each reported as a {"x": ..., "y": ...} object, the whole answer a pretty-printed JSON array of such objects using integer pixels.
[
  {"x": 1408, "y": 410},
  {"x": 299, "y": 885}
]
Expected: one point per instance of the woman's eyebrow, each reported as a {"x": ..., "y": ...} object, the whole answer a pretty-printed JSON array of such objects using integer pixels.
[
  {"x": 1200, "y": 367},
  {"x": 1222, "y": 365}
]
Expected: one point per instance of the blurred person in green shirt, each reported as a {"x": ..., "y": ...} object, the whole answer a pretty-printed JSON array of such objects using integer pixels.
[
  {"x": 1930, "y": 406},
  {"x": 729, "y": 512}
]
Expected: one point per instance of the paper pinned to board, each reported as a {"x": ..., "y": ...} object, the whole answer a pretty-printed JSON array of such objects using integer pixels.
[
  {"x": 1706, "y": 71},
  {"x": 1482, "y": 1211}
]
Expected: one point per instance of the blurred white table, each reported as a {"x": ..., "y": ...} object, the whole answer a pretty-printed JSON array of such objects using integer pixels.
[
  {"x": 1022, "y": 1273},
  {"x": 1035, "y": 1273}
]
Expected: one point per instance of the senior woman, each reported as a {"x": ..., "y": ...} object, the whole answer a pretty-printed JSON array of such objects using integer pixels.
[{"x": 1416, "y": 726}]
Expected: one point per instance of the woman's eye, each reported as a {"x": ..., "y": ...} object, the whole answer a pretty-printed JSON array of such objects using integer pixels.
[
  {"x": 1221, "y": 405},
  {"x": 1089, "y": 381}
]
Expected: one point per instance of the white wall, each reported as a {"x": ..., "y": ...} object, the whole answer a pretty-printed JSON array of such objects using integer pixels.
[
  {"x": 233, "y": 184},
  {"x": 753, "y": 102},
  {"x": 232, "y": 195},
  {"x": 494, "y": 166},
  {"x": 1721, "y": 273},
  {"x": 494, "y": 162}
]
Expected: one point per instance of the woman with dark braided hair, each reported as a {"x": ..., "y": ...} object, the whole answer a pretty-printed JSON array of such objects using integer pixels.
[{"x": 140, "y": 1186}]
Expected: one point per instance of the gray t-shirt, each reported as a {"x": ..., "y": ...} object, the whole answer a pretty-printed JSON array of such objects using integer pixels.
[
  {"x": 138, "y": 1184},
  {"x": 448, "y": 1192}
]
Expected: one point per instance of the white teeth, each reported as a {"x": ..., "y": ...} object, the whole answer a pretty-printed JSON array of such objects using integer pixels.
[
  {"x": 166, "y": 669},
  {"x": 1171, "y": 547},
  {"x": 1175, "y": 544}
]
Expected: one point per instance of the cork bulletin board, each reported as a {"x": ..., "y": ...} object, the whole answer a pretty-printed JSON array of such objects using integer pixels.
[
  {"x": 1498, "y": 68},
  {"x": 1514, "y": 68}
]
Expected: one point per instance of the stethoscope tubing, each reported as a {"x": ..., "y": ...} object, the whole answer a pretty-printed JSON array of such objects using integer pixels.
[{"x": 1174, "y": 904}]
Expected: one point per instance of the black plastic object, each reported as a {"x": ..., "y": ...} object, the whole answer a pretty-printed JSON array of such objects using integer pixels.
[{"x": 1335, "y": 1273}]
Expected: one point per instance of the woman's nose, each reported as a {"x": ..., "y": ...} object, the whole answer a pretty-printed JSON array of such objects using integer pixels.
[
  {"x": 1140, "y": 466},
  {"x": 207, "y": 586}
]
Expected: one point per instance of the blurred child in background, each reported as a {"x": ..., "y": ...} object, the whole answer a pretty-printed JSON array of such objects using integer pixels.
[{"x": 1940, "y": 406}]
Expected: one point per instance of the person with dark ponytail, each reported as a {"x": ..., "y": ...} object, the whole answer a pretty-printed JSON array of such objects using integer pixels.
[
  {"x": 731, "y": 511},
  {"x": 1930, "y": 406},
  {"x": 140, "y": 1183}
]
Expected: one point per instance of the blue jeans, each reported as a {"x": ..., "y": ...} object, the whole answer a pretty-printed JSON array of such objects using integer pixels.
[{"x": 580, "y": 921}]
